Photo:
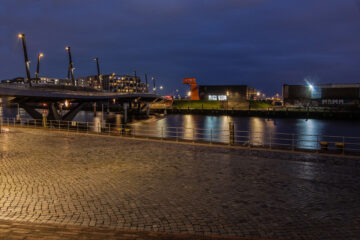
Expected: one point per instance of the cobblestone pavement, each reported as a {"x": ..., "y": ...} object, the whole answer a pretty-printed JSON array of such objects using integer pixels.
[
  {"x": 11, "y": 230},
  {"x": 99, "y": 181}
]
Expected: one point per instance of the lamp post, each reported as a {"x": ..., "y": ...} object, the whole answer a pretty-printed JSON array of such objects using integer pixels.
[
  {"x": 154, "y": 89},
  {"x": 27, "y": 62},
  {"x": 40, "y": 55},
  {"x": 147, "y": 86},
  {"x": 98, "y": 72},
  {"x": 71, "y": 67}
]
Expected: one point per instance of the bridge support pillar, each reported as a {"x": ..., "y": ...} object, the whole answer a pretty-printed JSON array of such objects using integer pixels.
[
  {"x": 147, "y": 109},
  {"x": 125, "y": 109}
]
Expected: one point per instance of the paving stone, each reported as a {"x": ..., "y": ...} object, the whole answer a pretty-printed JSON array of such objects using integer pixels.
[{"x": 115, "y": 183}]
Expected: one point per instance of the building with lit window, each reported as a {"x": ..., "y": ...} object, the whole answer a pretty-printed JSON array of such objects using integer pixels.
[
  {"x": 325, "y": 95},
  {"x": 115, "y": 83},
  {"x": 232, "y": 93}
]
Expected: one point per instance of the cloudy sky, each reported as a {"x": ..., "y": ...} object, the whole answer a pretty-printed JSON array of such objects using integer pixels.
[{"x": 262, "y": 43}]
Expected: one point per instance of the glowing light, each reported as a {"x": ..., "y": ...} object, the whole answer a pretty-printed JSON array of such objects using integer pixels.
[
  {"x": 67, "y": 48},
  {"x": 67, "y": 103},
  {"x": 189, "y": 93},
  {"x": 20, "y": 35},
  {"x": 161, "y": 87},
  {"x": 41, "y": 55},
  {"x": 311, "y": 87},
  {"x": 258, "y": 93},
  {"x": 227, "y": 93}
]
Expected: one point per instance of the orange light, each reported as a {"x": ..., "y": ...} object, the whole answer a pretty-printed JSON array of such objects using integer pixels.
[{"x": 20, "y": 35}]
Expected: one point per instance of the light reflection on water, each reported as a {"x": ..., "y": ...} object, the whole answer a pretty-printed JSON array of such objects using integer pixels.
[{"x": 304, "y": 133}]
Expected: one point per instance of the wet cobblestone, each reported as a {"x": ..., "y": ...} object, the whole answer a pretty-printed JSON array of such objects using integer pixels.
[{"x": 98, "y": 181}]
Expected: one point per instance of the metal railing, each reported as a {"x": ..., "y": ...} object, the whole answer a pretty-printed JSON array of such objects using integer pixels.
[{"x": 231, "y": 136}]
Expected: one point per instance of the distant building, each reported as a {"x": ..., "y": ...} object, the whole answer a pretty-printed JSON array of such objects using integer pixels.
[
  {"x": 39, "y": 81},
  {"x": 325, "y": 95},
  {"x": 114, "y": 83},
  {"x": 234, "y": 93}
]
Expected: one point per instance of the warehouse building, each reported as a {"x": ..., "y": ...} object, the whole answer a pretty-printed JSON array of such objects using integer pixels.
[
  {"x": 326, "y": 95},
  {"x": 232, "y": 93}
]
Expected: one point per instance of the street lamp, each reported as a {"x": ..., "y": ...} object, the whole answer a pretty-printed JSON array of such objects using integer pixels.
[
  {"x": 71, "y": 67},
  {"x": 27, "y": 62},
  {"x": 161, "y": 87},
  {"x": 154, "y": 88},
  {"x": 98, "y": 73},
  {"x": 40, "y": 55}
]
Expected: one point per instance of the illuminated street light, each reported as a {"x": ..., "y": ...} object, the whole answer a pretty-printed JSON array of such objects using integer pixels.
[
  {"x": 67, "y": 103},
  {"x": 227, "y": 93},
  {"x": 27, "y": 62},
  {"x": 161, "y": 87},
  {"x": 40, "y": 55},
  {"x": 311, "y": 87},
  {"x": 71, "y": 66},
  {"x": 258, "y": 94},
  {"x": 189, "y": 93}
]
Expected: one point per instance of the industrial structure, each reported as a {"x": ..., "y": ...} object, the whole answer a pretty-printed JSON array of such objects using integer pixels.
[
  {"x": 194, "y": 90},
  {"x": 64, "y": 98},
  {"x": 325, "y": 95}
]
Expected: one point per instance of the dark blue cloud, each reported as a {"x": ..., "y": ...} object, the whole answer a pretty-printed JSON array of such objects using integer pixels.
[{"x": 263, "y": 43}]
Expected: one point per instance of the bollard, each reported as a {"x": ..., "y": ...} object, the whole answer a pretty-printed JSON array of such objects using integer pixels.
[{"x": 231, "y": 133}]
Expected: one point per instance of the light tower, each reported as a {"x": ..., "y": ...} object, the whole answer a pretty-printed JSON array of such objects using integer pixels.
[
  {"x": 98, "y": 72},
  {"x": 27, "y": 62},
  {"x": 40, "y": 55},
  {"x": 71, "y": 67}
]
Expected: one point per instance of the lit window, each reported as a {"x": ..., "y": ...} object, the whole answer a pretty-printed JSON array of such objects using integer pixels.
[
  {"x": 213, "y": 97},
  {"x": 222, "y": 97}
]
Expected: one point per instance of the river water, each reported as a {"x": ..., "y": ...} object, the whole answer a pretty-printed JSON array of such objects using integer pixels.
[{"x": 305, "y": 132}]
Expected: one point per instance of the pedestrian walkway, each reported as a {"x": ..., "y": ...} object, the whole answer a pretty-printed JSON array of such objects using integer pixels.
[
  {"x": 30, "y": 231},
  {"x": 90, "y": 182}
]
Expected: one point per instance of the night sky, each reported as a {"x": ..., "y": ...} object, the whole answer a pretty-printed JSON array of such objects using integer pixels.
[{"x": 262, "y": 43}]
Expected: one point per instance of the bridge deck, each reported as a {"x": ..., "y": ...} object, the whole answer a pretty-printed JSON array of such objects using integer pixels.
[{"x": 60, "y": 94}]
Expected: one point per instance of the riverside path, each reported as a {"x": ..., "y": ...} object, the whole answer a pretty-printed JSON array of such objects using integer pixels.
[{"x": 117, "y": 184}]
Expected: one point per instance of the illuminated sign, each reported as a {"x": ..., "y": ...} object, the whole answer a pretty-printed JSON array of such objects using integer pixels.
[{"x": 217, "y": 97}]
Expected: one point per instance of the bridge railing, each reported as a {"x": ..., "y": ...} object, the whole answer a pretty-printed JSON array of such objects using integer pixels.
[{"x": 231, "y": 136}]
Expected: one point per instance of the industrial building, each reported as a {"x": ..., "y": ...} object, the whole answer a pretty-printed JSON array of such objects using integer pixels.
[
  {"x": 326, "y": 95},
  {"x": 232, "y": 93}
]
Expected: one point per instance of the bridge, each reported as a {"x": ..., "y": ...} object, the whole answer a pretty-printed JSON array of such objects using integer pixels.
[{"x": 70, "y": 98}]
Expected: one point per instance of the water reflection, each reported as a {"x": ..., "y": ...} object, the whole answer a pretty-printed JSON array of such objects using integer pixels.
[{"x": 258, "y": 131}]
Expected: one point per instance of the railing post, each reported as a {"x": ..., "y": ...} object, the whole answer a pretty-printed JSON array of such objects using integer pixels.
[
  {"x": 193, "y": 138},
  {"x": 87, "y": 127},
  {"x": 211, "y": 136},
  {"x": 343, "y": 146},
  {"x": 317, "y": 143},
  {"x": 109, "y": 129},
  {"x": 68, "y": 126},
  {"x": 270, "y": 140},
  {"x": 177, "y": 137},
  {"x": 162, "y": 133},
  {"x": 8, "y": 122},
  {"x": 59, "y": 124},
  {"x": 231, "y": 133},
  {"x": 249, "y": 139},
  {"x": 293, "y": 142},
  {"x": 133, "y": 131}
]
